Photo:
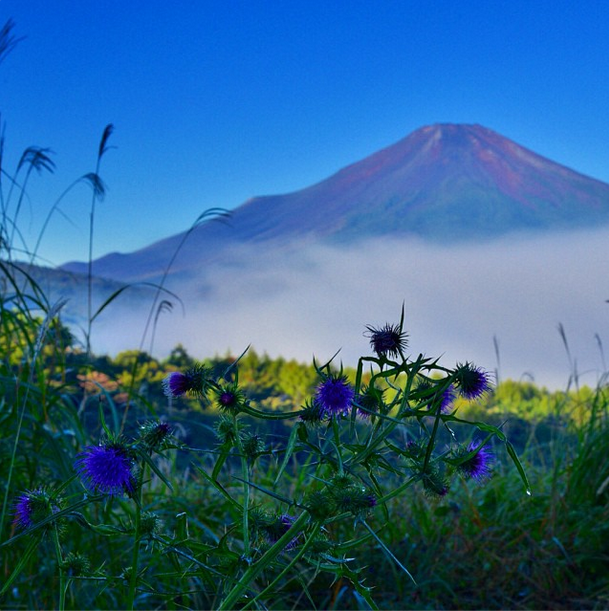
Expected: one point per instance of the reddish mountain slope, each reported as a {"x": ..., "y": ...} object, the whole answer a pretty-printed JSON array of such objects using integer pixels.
[{"x": 443, "y": 182}]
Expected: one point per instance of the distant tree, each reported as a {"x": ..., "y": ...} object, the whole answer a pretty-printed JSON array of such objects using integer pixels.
[{"x": 179, "y": 358}]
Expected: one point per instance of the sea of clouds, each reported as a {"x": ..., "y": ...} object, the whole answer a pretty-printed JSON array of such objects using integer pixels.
[{"x": 460, "y": 302}]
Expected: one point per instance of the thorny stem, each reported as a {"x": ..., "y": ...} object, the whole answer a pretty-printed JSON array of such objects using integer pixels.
[
  {"x": 62, "y": 573},
  {"x": 255, "y": 569},
  {"x": 245, "y": 474},
  {"x": 136, "y": 543},
  {"x": 297, "y": 557}
]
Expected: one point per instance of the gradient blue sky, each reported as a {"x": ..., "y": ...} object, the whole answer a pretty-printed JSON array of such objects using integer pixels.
[{"x": 215, "y": 102}]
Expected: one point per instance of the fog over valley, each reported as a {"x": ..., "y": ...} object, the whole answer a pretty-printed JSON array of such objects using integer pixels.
[{"x": 317, "y": 300}]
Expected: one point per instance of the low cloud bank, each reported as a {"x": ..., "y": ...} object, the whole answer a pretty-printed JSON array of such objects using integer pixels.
[{"x": 457, "y": 299}]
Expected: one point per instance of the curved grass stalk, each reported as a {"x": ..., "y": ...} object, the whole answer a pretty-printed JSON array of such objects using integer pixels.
[
  {"x": 213, "y": 213},
  {"x": 95, "y": 184},
  {"x": 103, "y": 148}
]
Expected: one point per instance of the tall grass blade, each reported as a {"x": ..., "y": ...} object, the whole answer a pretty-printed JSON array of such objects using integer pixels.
[
  {"x": 97, "y": 194},
  {"x": 386, "y": 550},
  {"x": 23, "y": 560}
]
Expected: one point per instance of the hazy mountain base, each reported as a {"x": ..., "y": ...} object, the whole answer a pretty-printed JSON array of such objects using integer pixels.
[{"x": 316, "y": 300}]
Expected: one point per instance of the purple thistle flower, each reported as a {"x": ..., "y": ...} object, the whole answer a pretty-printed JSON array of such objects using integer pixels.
[
  {"x": 335, "y": 395},
  {"x": 175, "y": 384},
  {"x": 106, "y": 469},
  {"x": 478, "y": 467},
  {"x": 32, "y": 507},
  {"x": 413, "y": 450},
  {"x": 24, "y": 511},
  {"x": 473, "y": 381},
  {"x": 193, "y": 381},
  {"x": 389, "y": 340},
  {"x": 227, "y": 398},
  {"x": 370, "y": 501},
  {"x": 444, "y": 398}
]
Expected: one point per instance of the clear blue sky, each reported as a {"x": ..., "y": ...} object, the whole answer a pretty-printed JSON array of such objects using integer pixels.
[{"x": 215, "y": 102}]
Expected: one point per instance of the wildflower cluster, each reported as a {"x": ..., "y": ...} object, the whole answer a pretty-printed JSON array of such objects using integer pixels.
[{"x": 360, "y": 438}]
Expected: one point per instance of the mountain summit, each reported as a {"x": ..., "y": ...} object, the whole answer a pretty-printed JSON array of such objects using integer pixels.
[{"x": 443, "y": 182}]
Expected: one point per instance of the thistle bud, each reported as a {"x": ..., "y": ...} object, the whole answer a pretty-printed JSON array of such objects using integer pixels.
[
  {"x": 230, "y": 398},
  {"x": 253, "y": 446},
  {"x": 156, "y": 436},
  {"x": 434, "y": 483},
  {"x": 76, "y": 564},
  {"x": 321, "y": 505},
  {"x": 226, "y": 430},
  {"x": 389, "y": 340},
  {"x": 476, "y": 467},
  {"x": 149, "y": 523},
  {"x": 312, "y": 413}
]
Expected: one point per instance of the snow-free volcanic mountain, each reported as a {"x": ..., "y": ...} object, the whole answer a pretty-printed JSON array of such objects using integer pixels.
[{"x": 443, "y": 182}]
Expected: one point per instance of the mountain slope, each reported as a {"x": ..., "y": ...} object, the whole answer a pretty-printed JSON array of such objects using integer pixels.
[{"x": 442, "y": 183}]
